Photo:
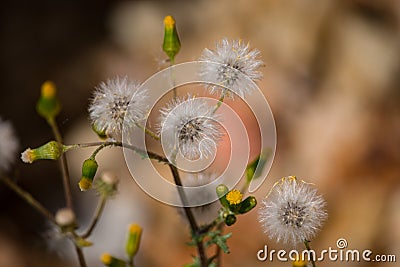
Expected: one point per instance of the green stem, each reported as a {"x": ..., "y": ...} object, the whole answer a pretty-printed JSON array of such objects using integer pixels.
[
  {"x": 97, "y": 215},
  {"x": 81, "y": 257},
  {"x": 102, "y": 145},
  {"x": 307, "y": 244},
  {"x": 188, "y": 212},
  {"x": 220, "y": 100},
  {"x": 174, "y": 90},
  {"x": 64, "y": 164},
  {"x": 28, "y": 198},
  {"x": 218, "y": 249},
  {"x": 148, "y": 131}
]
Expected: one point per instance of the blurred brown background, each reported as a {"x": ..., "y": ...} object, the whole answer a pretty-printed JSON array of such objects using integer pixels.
[{"x": 331, "y": 78}]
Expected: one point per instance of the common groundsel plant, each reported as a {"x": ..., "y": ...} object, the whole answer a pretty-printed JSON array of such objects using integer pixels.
[{"x": 189, "y": 129}]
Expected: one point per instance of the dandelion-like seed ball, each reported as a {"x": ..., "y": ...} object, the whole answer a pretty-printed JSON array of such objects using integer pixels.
[
  {"x": 192, "y": 126},
  {"x": 8, "y": 145},
  {"x": 293, "y": 212},
  {"x": 65, "y": 217},
  {"x": 116, "y": 102},
  {"x": 236, "y": 62}
]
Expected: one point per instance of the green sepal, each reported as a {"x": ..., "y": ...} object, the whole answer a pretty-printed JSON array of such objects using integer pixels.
[
  {"x": 222, "y": 190},
  {"x": 230, "y": 219},
  {"x": 246, "y": 205}
]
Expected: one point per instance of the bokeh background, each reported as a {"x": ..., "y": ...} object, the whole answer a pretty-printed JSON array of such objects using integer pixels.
[{"x": 331, "y": 78}]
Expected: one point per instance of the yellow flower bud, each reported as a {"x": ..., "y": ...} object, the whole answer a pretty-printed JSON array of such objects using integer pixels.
[
  {"x": 299, "y": 263},
  {"x": 48, "y": 89},
  {"x": 111, "y": 261},
  {"x": 106, "y": 258},
  {"x": 89, "y": 169},
  {"x": 171, "y": 44},
  {"x": 133, "y": 241},
  {"x": 51, "y": 150},
  {"x": 48, "y": 105}
]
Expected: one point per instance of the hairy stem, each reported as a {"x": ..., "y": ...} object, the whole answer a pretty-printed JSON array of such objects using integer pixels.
[
  {"x": 102, "y": 145},
  {"x": 192, "y": 221},
  {"x": 218, "y": 249},
  {"x": 63, "y": 164},
  {"x": 28, "y": 198},
  {"x": 96, "y": 217}
]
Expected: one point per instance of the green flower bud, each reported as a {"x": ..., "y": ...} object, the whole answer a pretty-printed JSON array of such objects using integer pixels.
[
  {"x": 248, "y": 204},
  {"x": 171, "y": 44},
  {"x": 101, "y": 132},
  {"x": 89, "y": 169},
  {"x": 51, "y": 150},
  {"x": 222, "y": 190},
  {"x": 48, "y": 105},
  {"x": 133, "y": 241},
  {"x": 230, "y": 219},
  {"x": 111, "y": 261}
]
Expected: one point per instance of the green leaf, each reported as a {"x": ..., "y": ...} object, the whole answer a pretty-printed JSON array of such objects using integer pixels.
[
  {"x": 255, "y": 168},
  {"x": 195, "y": 263},
  {"x": 219, "y": 240}
]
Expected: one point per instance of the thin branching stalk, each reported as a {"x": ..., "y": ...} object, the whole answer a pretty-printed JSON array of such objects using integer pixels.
[
  {"x": 102, "y": 145},
  {"x": 220, "y": 100},
  {"x": 28, "y": 198},
  {"x": 218, "y": 249},
  {"x": 174, "y": 89},
  {"x": 63, "y": 165},
  {"x": 96, "y": 217},
  {"x": 81, "y": 257},
  {"x": 148, "y": 131},
  {"x": 188, "y": 212}
]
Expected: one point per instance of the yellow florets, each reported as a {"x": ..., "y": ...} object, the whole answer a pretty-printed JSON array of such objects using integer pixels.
[
  {"x": 48, "y": 89},
  {"x": 169, "y": 22},
  {"x": 106, "y": 258},
  {"x": 135, "y": 228},
  {"x": 234, "y": 197},
  {"x": 299, "y": 263},
  {"x": 85, "y": 184}
]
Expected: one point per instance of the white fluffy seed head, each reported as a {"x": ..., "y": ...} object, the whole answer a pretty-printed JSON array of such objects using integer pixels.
[
  {"x": 115, "y": 102},
  {"x": 236, "y": 61},
  {"x": 65, "y": 217},
  {"x": 109, "y": 178},
  {"x": 8, "y": 145},
  {"x": 192, "y": 126},
  {"x": 293, "y": 212}
]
